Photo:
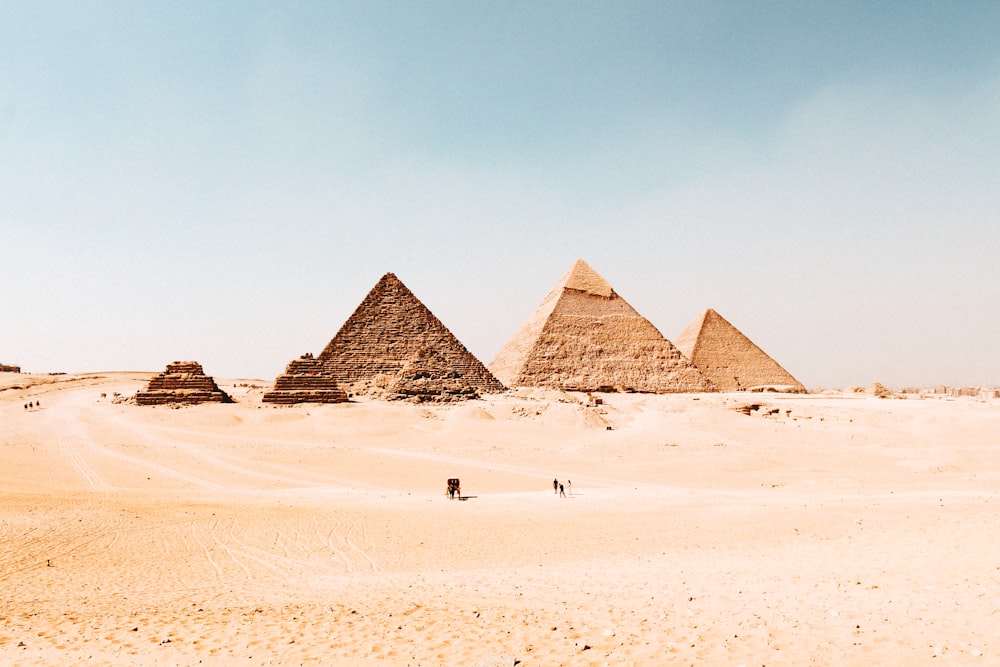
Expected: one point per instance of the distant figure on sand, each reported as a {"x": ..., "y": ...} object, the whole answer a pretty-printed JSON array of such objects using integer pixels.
[
  {"x": 555, "y": 486},
  {"x": 569, "y": 485},
  {"x": 562, "y": 491}
]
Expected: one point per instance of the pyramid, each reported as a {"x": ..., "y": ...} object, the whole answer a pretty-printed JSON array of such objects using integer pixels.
[
  {"x": 305, "y": 382},
  {"x": 182, "y": 382},
  {"x": 585, "y": 337},
  {"x": 730, "y": 359},
  {"x": 392, "y": 346}
]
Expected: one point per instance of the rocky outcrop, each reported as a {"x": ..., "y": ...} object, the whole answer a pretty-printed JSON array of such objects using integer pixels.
[
  {"x": 184, "y": 382},
  {"x": 428, "y": 375},
  {"x": 879, "y": 390},
  {"x": 4, "y": 368},
  {"x": 391, "y": 347},
  {"x": 731, "y": 360},
  {"x": 585, "y": 337}
]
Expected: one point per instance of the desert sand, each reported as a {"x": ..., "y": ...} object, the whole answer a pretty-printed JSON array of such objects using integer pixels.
[{"x": 820, "y": 529}]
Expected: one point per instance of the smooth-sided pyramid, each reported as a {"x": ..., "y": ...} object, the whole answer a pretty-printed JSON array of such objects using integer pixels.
[
  {"x": 585, "y": 337},
  {"x": 183, "y": 382},
  {"x": 392, "y": 346},
  {"x": 731, "y": 360}
]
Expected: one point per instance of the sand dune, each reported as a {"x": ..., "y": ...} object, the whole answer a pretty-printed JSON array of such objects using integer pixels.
[{"x": 841, "y": 530}]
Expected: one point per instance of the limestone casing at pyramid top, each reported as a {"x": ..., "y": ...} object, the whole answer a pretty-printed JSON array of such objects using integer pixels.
[
  {"x": 586, "y": 337},
  {"x": 583, "y": 278},
  {"x": 729, "y": 358}
]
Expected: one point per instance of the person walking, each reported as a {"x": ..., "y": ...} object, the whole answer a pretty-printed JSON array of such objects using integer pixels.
[
  {"x": 562, "y": 491},
  {"x": 555, "y": 486}
]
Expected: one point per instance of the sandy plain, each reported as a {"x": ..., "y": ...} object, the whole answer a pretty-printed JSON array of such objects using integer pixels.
[{"x": 838, "y": 530}]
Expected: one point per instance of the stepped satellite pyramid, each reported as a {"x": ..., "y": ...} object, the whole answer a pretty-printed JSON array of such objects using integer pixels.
[
  {"x": 184, "y": 382},
  {"x": 392, "y": 346},
  {"x": 731, "y": 360},
  {"x": 305, "y": 382},
  {"x": 585, "y": 337}
]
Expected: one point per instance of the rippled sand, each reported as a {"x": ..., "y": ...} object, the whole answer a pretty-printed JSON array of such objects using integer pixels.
[{"x": 837, "y": 530}]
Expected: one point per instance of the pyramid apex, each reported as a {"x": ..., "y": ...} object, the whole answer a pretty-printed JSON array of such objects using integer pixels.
[
  {"x": 583, "y": 278},
  {"x": 712, "y": 316},
  {"x": 390, "y": 281}
]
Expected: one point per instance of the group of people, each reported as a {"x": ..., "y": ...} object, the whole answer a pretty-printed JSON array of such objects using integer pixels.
[
  {"x": 455, "y": 489},
  {"x": 32, "y": 405}
]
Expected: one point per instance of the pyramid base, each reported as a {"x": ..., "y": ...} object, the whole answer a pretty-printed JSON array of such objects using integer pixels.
[
  {"x": 778, "y": 389},
  {"x": 181, "y": 397},
  {"x": 293, "y": 397}
]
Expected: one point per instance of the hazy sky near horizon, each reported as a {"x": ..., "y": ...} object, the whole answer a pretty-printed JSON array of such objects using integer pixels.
[{"x": 225, "y": 181}]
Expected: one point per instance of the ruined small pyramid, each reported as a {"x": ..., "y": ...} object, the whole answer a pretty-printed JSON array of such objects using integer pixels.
[
  {"x": 184, "y": 382},
  {"x": 305, "y": 382},
  {"x": 585, "y": 337},
  {"x": 392, "y": 346},
  {"x": 731, "y": 360}
]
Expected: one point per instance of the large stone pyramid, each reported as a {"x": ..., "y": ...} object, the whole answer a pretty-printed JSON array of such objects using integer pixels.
[
  {"x": 730, "y": 359},
  {"x": 183, "y": 382},
  {"x": 392, "y": 346},
  {"x": 584, "y": 337}
]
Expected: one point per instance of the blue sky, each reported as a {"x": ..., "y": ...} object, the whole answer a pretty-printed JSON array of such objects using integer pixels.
[{"x": 226, "y": 181}]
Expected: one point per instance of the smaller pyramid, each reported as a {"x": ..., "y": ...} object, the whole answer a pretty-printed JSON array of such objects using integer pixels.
[
  {"x": 184, "y": 382},
  {"x": 585, "y": 337},
  {"x": 391, "y": 347},
  {"x": 731, "y": 360},
  {"x": 305, "y": 382}
]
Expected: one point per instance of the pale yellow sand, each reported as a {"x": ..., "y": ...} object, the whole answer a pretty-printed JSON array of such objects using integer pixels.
[{"x": 848, "y": 531}]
